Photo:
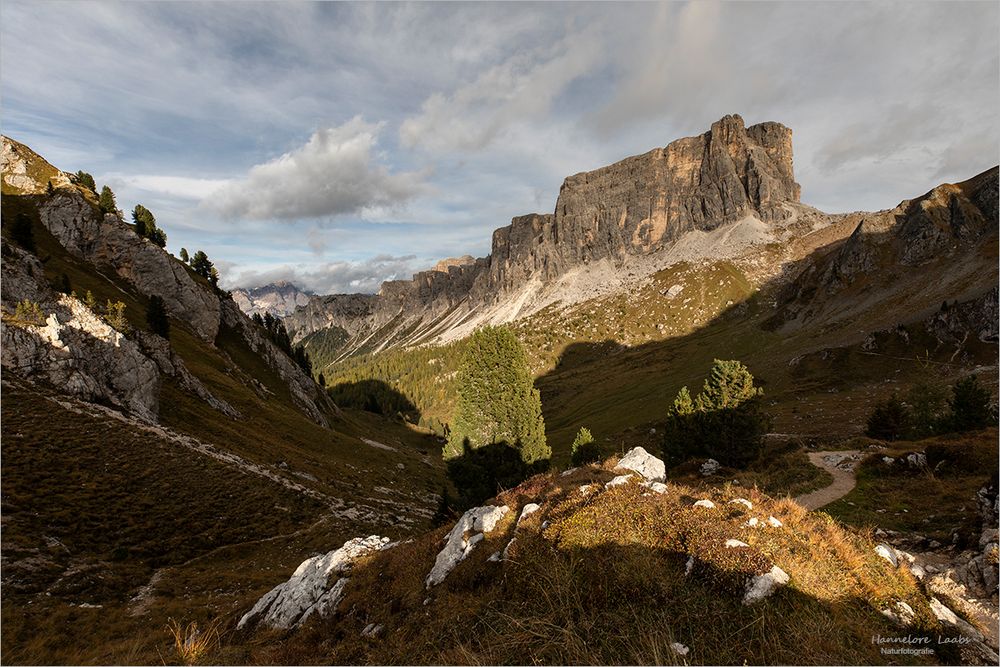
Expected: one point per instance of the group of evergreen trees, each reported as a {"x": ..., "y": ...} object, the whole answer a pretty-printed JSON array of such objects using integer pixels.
[
  {"x": 275, "y": 330},
  {"x": 497, "y": 436},
  {"x": 202, "y": 265},
  {"x": 726, "y": 421},
  {"x": 145, "y": 226},
  {"x": 927, "y": 409}
]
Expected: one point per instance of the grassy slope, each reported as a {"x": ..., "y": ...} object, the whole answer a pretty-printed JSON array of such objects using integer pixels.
[
  {"x": 189, "y": 506},
  {"x": 604, "y": 582}
]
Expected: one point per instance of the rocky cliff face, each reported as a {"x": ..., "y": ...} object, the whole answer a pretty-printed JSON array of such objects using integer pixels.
[
  {"x": 637, "y": 207},
  {"x": 108, "y": 242},
  {"x": 74, "y": 350},
  {"x": 69, "y": 347},
  {"x": 279, "y": 299}
]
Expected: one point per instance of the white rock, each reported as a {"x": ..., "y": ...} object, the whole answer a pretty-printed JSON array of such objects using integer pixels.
[
  {"x": 710, "y": 467},
  {"x": 640, "y": 461},
  {"x": 888, "y": 553},
  {"x": 917, "y": 571},
  {"x": 773, "y": 522},
  {"x": 752, "y": 522},
  {"x": 735, "y": 544},
  {"x": 679, "y": 649},
  {"x": 290, "y": 603},
  {"x": 763, "y": 585},
  {"x": 742, "y": 501},
  {"x": 494, "y": 557},
  {"x": 900, "y": 613},
  {"x": 528, "y": 510},
  {"x": 659, "y": 487},
  {"x": 506, "y": 549},
  {"x": 567, "y": 473},
  {"x": 917, "y": 460},
  {"x": 463, "y": 538},
  {"x": 586, "y": 489},
  {"x": 371, "y": 630},
  {"x": 618, "y": 481},
  {"x": 689, "y": 565},
  {"x": 888, "y": 460},
  {"x": 707, "y": 504}
]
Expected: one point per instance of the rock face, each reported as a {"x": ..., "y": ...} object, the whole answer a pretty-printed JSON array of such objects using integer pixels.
[
  {"x": 638, "y": 206},
  {"x": 279, "y": 299},
  {"x": 309, "y": 591},
  {"x": 73, "y": 350},
  {"x": 107, "y": 242}
]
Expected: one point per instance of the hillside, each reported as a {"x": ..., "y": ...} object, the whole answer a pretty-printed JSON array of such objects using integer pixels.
[
  {"x": 137, "y": 464},
  {"x": 606, "y": 564}
]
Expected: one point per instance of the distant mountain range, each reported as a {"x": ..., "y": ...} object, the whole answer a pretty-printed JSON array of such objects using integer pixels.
[{"x": 280, "y": 298}]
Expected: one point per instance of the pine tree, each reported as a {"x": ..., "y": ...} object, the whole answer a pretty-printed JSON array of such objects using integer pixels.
[
  {"x": 201, "y": 264},
  {"x": 156, "y": 317},
  {"x": 107, "y": 200},
  {"x": 143, "y": 220},
  {"x": 889, "y": 420},
  {"x": 183, "y": 254},
  {"x": 213, "y": 276},
  {"x": 497, "y": 401},
  {"x": 90, "y": 302},
  {"x": 86, "y": 180},
  {"x": 970, "y": 405},
  {"x": 584, "y": 449},
  {"x": 726, "y": 420},
  {"x": 159, "y": 237}
]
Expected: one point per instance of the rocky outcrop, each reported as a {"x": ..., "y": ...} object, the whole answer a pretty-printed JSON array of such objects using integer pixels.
[
  {"x": 279, "y": 299},
  {"x": 640, "y": 461},
  {"x": 108, "y": 243},
  {"x": 638, "y": 206},
  {"x": 309, "y": 590},
  {"x": 470, "y": 530},
  {"x": 72, "y": 349}
]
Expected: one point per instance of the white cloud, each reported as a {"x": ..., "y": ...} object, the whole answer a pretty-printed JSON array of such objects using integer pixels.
[
  {"x": 331, "y": 277},
  {"x": 521, "y": 88},
  {"x": 180, "y": 187},
  {"x": 335, "y": 173}
]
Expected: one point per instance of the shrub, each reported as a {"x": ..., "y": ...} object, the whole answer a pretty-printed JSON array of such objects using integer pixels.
[
  {"x": 928, "y": 402},
  {"x": 585, "y": 450},
  {"x": 90, "y": 302},
  {"x": 726, "y": 420},
  {"x": 970, "y": 406},
  {"x": 889, "y": 420},
  {"x": 191, "y": 643},
  {"x": 480, "y": 473}
]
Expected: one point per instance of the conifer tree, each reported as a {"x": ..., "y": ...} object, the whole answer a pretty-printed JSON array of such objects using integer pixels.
[
  {"x": 183, "y": 254},
  {"x": 584, "y": 449},
  {"x": 107, "y": 200},
  {"x": 497, "y": 401},
  {"x": 970, "y": 405},
  {"x": 86, "y": 180}
]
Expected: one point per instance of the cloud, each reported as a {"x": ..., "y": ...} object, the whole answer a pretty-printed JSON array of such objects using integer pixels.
[
  {"x": 331, "y": 277},
  {"x": 335, "y": 173},
  {"x": 521, "y": 88},
  {"x": 179, "y": 187}
]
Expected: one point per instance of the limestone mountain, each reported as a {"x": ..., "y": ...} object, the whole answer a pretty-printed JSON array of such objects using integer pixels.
[
  {"x": 617, "y": 218},
  {"x": 279, "y": 298}
]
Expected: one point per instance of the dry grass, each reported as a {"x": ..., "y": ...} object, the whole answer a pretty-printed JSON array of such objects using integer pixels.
[
  {"x": 191, "y": 643},
  {"x": 604, "y": 582}
]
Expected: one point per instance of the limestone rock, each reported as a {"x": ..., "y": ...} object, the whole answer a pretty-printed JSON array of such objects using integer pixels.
[
  {"x": 742, "y": 501},
  {"x": 463, "y": 538},
  {"x": 308, "y": 591},
  {"x": 707, "y": 504},
  {"x": 763, "y": 585},
  {"x": 640, "y": 461},
  {"x": 888, "y": 553},
  {"x": 710, "y": 467},
  {"x": 106, "y": 241},
  {"x": 528, "y": 510},
  {"x": 618, "y": 481},
  {"x": 280, "y": 299}
]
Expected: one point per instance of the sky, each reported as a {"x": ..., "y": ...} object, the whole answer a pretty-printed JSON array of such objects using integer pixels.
[{"x": 338, "y": 145}]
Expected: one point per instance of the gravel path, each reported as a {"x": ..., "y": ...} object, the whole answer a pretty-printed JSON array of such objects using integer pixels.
[{"x": 841, "y": 466}]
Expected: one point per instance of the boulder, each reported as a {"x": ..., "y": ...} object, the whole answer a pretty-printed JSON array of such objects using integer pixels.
[
  {"x": 763, "y": 585},
  {"x": 887, "y": 552},
  {"x": 773, "y": 522},
  {"x": 308, "y": 591},
  {"x": 618, "y": 481},
  {"x": 640, "y": 461},
  {"x": 468, "y": 532},
  {"x": 657, "y": 487},
  {"x": 742, "y": 501},
  {"x": 707, "y": 504},
  {"x": 528, "y": 510}
]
